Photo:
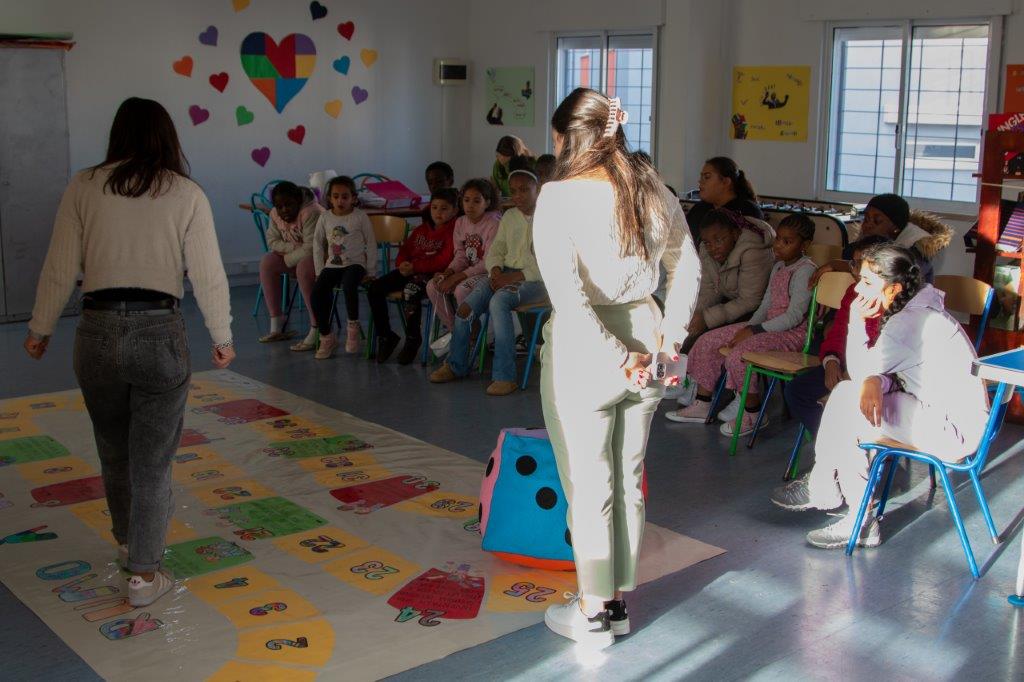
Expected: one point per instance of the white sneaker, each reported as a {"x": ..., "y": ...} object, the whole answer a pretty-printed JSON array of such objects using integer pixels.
[
  {"x": 673, "y": 392},
  {"x": 441, "y": 345},
  {"x": 837, "y": 535},
  {"x": 142, "y": 593},
  {"x": 697, "y": 413},
  {"x": 728, "y": 413},
  {"x": 746, "y": 425},
  {"x": 568, "y": 620},
  {"x": 689, "y": 393}
]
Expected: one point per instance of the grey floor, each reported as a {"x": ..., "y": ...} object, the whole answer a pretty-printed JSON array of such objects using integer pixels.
[{"x": 770, "y": 608}]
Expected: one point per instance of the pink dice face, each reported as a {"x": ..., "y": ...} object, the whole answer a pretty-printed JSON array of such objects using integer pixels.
[
  {"x": 366, "y": 498},
  {"x": 69, "y": 492}
]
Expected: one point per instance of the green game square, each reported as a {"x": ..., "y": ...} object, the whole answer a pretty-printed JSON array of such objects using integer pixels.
[
  {"x": 258, "y": 66},
  {"x": 275, "y": 516},
  {"x": 320, "y": 447},
  {"x": 30, "y": 449},
  {"x": 184, "y": 561}
]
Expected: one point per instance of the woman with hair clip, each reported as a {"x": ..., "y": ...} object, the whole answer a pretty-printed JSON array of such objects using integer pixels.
[
  {"x": 723, "y": 185},
  {"x": 601, "y": 228},
  {"x": 132, "y": 225},
  {"x": 913, "y": 385}
]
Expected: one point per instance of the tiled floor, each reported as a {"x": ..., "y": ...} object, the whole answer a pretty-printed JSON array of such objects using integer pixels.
[{"x": 771, "y": 608}]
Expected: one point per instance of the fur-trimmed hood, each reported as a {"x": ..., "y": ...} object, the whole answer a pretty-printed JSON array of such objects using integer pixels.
[{"x": 926, "y": 232}]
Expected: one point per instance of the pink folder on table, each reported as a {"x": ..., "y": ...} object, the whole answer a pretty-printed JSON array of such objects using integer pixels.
[{"x": 394, "y": 194}]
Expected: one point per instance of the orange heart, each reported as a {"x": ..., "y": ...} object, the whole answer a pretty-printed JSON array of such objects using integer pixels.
[
  {"x": 183, "y": 66},
  {"x": 368, "y": 57},
  {"x": 239, "y": 5},
  {"x": 333, "y": 108}
]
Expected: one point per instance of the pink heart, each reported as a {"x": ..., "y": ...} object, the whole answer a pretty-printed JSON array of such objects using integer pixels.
[
  {"x": 359, "y": 95},
  {"x": 198, "y": 114},
  {"x": 261, "y": 155}
]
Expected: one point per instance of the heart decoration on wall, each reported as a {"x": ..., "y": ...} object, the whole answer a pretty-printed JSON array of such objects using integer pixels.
[
  {"x": 219, "y": 81},
  {"x": 243, "y": 116},
  {"x": 347, "y": 29},
  {"x": 278, "y": 70},
  {"x": 297, "y": 134},
  {"x": 209, "y": 36},
  {"x": 198, "y": 114},
  {"x": 317, "y": 11},
  {"x": 359, "y": 95},
  {"x": 333, "y": 108},
  {"x": 183, "y": 66},
  {"x": 261, "y": 155},
  {"x": 368, "y": 57},
  {"x": 341, "y": 65}
]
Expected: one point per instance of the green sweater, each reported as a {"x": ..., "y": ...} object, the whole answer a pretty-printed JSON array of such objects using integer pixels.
[
  {"x": 499, "y": 175},
  {"x": 513, "y": 246}
]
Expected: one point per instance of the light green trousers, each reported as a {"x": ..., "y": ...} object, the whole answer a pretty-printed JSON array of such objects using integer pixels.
[{"x": 598, "y": 428}]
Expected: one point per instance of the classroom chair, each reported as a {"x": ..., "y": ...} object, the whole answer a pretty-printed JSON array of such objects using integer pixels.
[
  {"x": 823, "y": 253},
  {"x": 538, "y": 310},
  {"x": 395, "y": 298},
  {"x": 261, "y": 204},
  {"x": 389, "y": 231},
  {"x": 887, "y": 450}
]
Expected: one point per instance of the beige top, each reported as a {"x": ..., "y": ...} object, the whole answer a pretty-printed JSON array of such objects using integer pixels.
[{"x": 123, "y": 242}]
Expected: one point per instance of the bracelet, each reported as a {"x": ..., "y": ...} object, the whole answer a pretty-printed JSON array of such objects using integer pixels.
[{"x": 221, "y": 346}]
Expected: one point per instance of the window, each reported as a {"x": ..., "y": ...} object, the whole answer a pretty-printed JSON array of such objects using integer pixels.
[
  {"x": 906, "y": 110},
  {"x": 620, "y": 65}
]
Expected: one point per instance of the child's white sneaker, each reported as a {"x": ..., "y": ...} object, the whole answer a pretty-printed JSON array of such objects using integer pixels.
[
  {"x": 697, "y": 413},
  {"x": 728, "y": 413},
  {"x": 568, "y": 620},
  {"x": 142, "y": 593},
  {"x": 688, "y": 394},
  {"x": 746, "y": 425},
  {"x": 441, "y": 344},
  {"x": 328, "y": 342},
  {"x": 837, "y": 535}
]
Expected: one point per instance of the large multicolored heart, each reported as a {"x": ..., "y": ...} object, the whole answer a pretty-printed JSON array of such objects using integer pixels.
[{"x": 278, "y": 70}]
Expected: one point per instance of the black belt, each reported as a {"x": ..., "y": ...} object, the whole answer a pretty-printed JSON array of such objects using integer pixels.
[{"x": 169, "y": 303}]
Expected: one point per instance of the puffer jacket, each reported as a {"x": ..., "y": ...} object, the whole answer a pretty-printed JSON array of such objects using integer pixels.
[
  {"x": 732, "y": 289},
  {"x": 926, "y": 233}
]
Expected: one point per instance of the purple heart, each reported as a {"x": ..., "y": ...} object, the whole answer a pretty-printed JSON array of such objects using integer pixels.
[
  {"x": 359, "y": 95},
  {"x": 261, "y": 155},
  {"x": 198, "y": 114},
  {"x": 317, "y": 10},
  {"x": 209, "y": 36}
]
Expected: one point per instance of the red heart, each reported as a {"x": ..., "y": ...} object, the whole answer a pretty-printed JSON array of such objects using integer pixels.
[
  {"x": 297, "y": 134},
  {"x": 219, "y": 81},
  {"x": 346, "y": 30},
  {"x": 282, "y": 55},
  {"x": 183, "y": 66}
]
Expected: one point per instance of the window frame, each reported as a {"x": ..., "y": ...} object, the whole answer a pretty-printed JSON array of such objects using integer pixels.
[
  {"x": 827, "y": 113},
  {"x": 605, "y": 35}
]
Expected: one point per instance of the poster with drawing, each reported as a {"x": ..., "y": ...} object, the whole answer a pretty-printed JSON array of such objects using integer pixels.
[
  {"x": 770, "y": 103},
  {"x": 510, "y": 95}
]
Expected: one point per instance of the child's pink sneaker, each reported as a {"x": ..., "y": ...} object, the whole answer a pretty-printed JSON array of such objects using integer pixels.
[
  {"x": 352, "y": 337},
  {"x": 746, "y": 425},
  {"x": 694, "y": 413},
  {"x": 328, "y": 342}
]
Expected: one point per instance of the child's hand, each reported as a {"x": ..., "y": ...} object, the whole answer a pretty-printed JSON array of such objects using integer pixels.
[
  {"x": 697, "y": 324},
  {"x": 866, "y": 308},
  {"x": 871, "y": 400},
  {"x": 740, "y": 336},
  {"x": 368, "y": 278},
  {"x": 833, "y": 374},
  {"x": 406, "y": 269},
  {"x": 635, "y": 369},
  {"x": 448, "y": 284}
]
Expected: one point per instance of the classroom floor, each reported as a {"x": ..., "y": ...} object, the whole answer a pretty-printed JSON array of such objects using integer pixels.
[{"x": 772, "y": 607}]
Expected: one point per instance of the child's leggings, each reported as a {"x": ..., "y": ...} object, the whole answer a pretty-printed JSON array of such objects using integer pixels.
[
  {"x": 704, "y": 362},
  {"x": 443, "y": 303},
  {"x": 348, "y": 278}
]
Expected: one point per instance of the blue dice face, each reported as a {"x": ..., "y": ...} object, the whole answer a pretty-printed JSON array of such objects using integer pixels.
[{"x": 527, "y": 510}]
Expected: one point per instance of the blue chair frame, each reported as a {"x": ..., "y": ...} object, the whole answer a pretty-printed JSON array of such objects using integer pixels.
[
  {"x": 972, "y": 466},
  {"x": 538, "y": 310}
]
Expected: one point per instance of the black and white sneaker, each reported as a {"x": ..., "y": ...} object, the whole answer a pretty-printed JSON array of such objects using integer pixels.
[
  {"x": 521, "y": 348},
  {"x": 568, "y": 620},
  {"x": 618, "y": 617}
]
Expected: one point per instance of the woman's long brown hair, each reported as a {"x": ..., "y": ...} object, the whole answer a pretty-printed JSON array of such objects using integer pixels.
[{"x": 143, "y": 149}]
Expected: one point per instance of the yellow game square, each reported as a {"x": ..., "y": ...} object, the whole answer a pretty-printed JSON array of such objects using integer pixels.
[
  {"x": 237, "y": 671},
  {"x": 269, "y": 607},
  {"x": 36, "y": 404},
  {"x": 320, "y": 544},
  {"x": 339, "y": 478},
  {"x": 56, "y": 470},
  {"x": 528, "y": 591},
  {"x": 208, "y": 393},
  {"x": 442, "y": 504},
  {"x": 202, "y": 466},
  {"x": 373, "y": 570},
  {"x": 220, "y": 493},
  {"x": 308, "y": 642},
  {"x": 95, "y": 515},
  {"x": 349, "y": 460},
  {"x": 177, "y": 531},
  {"x": 230, "y": 584},
  {"x": 17, "y": 428},
  {"x": 292, "y": 427}
]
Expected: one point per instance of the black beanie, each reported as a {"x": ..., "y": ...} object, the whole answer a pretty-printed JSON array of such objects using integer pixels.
[{"x": 894, "y": 207}]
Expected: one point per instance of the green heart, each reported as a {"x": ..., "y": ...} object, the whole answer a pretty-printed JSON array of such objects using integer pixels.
[{"x": 244, "y": 116}]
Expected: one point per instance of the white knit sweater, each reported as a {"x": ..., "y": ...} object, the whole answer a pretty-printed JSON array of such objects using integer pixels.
[
  {"x": 123, "y": 242},
  {"x": 576, "y": 239}
]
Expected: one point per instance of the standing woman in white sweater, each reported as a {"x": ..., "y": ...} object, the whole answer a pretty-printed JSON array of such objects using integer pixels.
[
  {"x": 132, "y": 225},
  {"x": 600, "y": 230}
]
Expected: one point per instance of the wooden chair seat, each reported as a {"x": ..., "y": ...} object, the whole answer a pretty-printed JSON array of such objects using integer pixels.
[
  {"x": 895, "y": 444},
  {"x": 783, "y": 361}
]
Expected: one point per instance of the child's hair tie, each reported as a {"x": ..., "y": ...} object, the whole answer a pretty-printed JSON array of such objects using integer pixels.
[
  {"x": 523, "y": 171},
  {"x": 617, "y": 116}
]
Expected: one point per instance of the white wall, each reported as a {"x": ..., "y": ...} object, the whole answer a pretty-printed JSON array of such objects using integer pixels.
[{"x": 125, "y": 48}]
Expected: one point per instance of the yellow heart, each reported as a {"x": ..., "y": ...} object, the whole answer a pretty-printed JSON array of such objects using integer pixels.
[
  {"x": 239, "y": 5},
  {"x": 333, "y": 108},
  {"x": 368, "y": 57}
]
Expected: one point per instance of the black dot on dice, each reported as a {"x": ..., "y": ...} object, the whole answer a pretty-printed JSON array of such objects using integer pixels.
[
  {"x": 526, "y": 465},
  {"x": 568, "y": 537},
  {"x": 490, "y": 467},
  {"x": 546, "y": 498},
  {"x": 479, "y": 513}
]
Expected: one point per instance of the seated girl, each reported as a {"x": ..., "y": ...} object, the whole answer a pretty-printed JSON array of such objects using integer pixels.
[
  {"x": 474, "y": 232},
  {"x": 424, "y": 252},
  {"x": 514, "y": 280},
  {"x": 345, "y": 255},
  {"x": 913, "y": 385},
  {"x": 290, "y": 244},
  {"x": 778, "y": 324}
]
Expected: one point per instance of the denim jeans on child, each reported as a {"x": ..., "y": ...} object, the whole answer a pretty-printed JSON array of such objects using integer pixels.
[
  {"x": 500, "y": 305},
  {"x": 134, "y": 371}
]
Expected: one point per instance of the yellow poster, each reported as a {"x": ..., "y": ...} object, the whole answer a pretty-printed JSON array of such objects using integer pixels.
[{"x": 770, "y": 103}]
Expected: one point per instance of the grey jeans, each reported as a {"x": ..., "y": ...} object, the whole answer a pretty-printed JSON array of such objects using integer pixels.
[{"x": 134, "y": 372}]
